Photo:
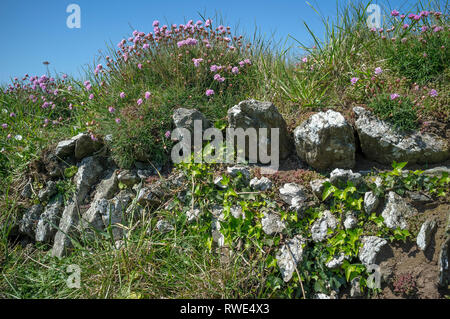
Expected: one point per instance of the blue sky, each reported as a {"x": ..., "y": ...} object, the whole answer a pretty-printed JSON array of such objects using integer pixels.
[{"x": 35, "y": 31}]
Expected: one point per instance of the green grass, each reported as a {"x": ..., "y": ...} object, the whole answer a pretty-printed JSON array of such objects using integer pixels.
[{"x": 180, "y": 264}]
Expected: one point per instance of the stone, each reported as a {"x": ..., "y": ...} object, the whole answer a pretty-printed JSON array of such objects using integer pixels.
[
  {"x": 27, "y": 191},
  {"x": 236, "y": 211},
  {"x": 65, "y": 148},
  {"x": 419, "y": 197},
  {"x": 371, "y": 250},
  {"x": 107, "y": 187},
  {"x": 29, "y": 221},
  {"x": 298, "y": 204},
  {"x": 261, "y": 184},
  {"x": 396, "y": 211},
  {"x": 340, "y": 177},
  {"x": 49, "y": 220},
  {"x": 256, "y": 114},
  {"x": 437, "y": 171},
  {"x": 128, "y": 177},
  {"x": 317, "y": 187},
  {"x": 326, "y": 140},
  {"x": 88, "y": 173},
  {"x": 67, "y": 228},
  {"x": 319, "y": 229},
  {"x": 382, "y": 143},
  {"x": 85, "y": 146},
  {"x": 271, "y": 223},
  {"x": 336, "y": 261},
  {"x": 371, "y": 202},
  {"x": 289, "y": 255},
  {"x": 291, "y": 190},
  {"x": 152, "y": 195},
  {"x": 193, "y": 214},
  {"x": 443, "y": 265},
  {"x": 355, "y": 290},
  {"x": 234, "y": 170},
  {"x": 217, "y": 236},
  {"x": 164, "y": 226},
  {"x": 350, "y": 221},
  {"x": 184, "y": 118},
  {"x": 46, "y": 193},
  {"x": 92, "y": 218},
  {"x": 114, "y": 215},
  {"x": 426, "y": 232}
]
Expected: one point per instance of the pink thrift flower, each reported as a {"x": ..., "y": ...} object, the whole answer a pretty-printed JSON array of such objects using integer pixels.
[
  {"x": 394, "y": 96},
  {"x": 111, "y": 109},
  {"x": 117, "y": 120},
  {"x": 167, "y": 134},
  {"x": 235, "y": 70},
  {"x": 139, "y": 102},
  {"x": 139, "y": 66},
  {"x": 394, "y": 13},
  {"x": 433, "y": 93},
  {"x": 209, "y": 92},
  {"x": 122, "y": 95},
  {"x": 12, "y": 114},
  {"x": 197, "y": 62},
  {"x": 91, "y": 96},
  {"x": 147, "y": 95},
  {"x": 354, "y": 80},
  {"x": 378, "y": 70},
  {"x": 4, "y": 125}
]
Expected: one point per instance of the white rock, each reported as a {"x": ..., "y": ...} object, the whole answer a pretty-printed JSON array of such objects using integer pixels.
[
  {"x": 289, "y": 256},
  {"x": 371, "y": 248},
  {"x": 326, "y": 140},
  {"x": 396, "y": 211},
  {"x": 370, "y": 202},
  {"x": 271, "y": 223},
  {"x": 261, "y": 184},
  {"x": 291, "y": 190},
  {"x": 319, "y": 229},
  {"x": 425, "y": 233}
]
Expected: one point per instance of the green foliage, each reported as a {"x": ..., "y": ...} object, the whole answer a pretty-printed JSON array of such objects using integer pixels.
[
  {"x": 400, "y": 111},
  {"x": 420, "y": 56}
]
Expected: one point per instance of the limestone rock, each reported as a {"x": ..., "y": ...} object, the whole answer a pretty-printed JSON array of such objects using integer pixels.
[
  {"x": 291, "y": 190},
  {"x": 234, "y": 170},
  {"x": 396, "y": 211},
  {"x": 371, "y": 202},
  {"x": 425, "y": 233},
  {"x": 261, "y": 184},
  {"x": 271, "y": 223},
  {"x": 128, "y": 177},
  {"x": 317, "y": 187},
  {"x": 340, "y": 177},
  {"x": 380, "y": 142},
  {"x": 289, "y": 255},
  {"x": 257, "y": 114},
  {"x": 371, "y": 249},
  {"x": 29, "y": 221},
  {"x": 107, "y": 187},
  {"x": 46, "y": 193},
  {"x": 49, "y": 220},
  {"x": 319, "y": 229},
  {"x": 326, "y": 140}
]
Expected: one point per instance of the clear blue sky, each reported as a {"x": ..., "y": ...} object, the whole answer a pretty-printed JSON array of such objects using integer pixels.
[{"x": 33, "y": 31}]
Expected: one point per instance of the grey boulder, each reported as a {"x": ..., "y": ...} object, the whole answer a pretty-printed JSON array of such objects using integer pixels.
[
  {"x": 326, "y": 140},
  {"x": 382, "y": 143},
  {"x": 256, "y": 114}
]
